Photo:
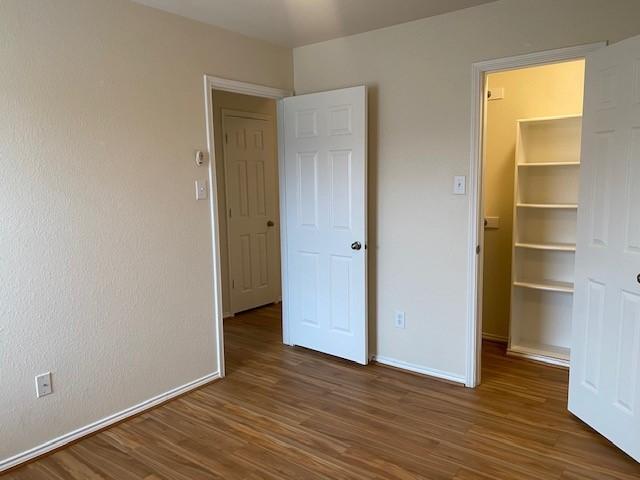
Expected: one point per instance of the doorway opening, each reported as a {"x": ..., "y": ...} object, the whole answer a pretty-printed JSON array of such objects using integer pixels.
[
  {"x": 530, "y": 198},
  {"x": 551, "y": 221},
  {"x": 242, "y": 138},
  {"x": 247, "y": 199},
  {"x": 321, "y": 144},
  {"x": 524, "y": 198}
]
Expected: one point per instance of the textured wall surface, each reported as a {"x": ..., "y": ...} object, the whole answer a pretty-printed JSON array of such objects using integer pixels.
[
  {"x": 419, "y": 75},
  {"x": 105, "y": 256},
  {"x": 545, "y": 91}
]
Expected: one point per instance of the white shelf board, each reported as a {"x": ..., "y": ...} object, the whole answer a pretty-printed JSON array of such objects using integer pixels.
[
  {"x": 542, "y": 352},
  {"x": 563, "y": 206},
  {"x": 549, "y": 164},
  {"x": 557, "y": 247},
  {"x": 555, "y": 118},
  {"x": 547, "y": 285}
]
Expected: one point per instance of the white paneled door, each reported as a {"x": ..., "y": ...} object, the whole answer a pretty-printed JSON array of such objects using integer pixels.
[
  {"x": 252, "y": 209},
  {"x": 604, "y": 388},
  {"x": 325, "y": 170}
]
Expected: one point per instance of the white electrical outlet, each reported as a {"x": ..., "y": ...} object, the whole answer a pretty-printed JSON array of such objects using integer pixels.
[
  {"x": 43, "y": 385},
  {"x": 399, "y": 320}
]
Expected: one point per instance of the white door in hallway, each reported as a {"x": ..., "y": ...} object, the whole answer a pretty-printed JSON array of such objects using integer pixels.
[
  {"x": 325, "y": 168},
  {"x": 604, "y": 388},
  {"x": 252, "y": 209}
]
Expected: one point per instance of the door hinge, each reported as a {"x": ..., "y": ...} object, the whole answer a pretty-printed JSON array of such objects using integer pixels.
[
  {"x": 233, "y": 284},
  {"x": 226, "y": 138},
  {"x": 229, "y": 213},
  {"x": 478, "y": 250}
]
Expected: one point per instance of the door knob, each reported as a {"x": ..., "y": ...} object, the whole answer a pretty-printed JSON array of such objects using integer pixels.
[
  {"x": 270, "y": 223},
  {"x": 356, "y": 246},
  {"x": 638, "y": 278}
]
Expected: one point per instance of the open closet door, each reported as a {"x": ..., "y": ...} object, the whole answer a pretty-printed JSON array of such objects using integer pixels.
[
  {"x": 325, "y": 172},
  {"x": 604, "y": 389}
]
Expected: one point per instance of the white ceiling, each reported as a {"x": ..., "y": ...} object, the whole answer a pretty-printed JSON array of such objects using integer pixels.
[{"x": 294, "y": 23}]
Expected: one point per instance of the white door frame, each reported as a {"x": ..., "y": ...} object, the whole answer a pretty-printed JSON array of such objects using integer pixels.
[
  {"x": 216, "y": 83},
  {"x": 479, "y": 72}
]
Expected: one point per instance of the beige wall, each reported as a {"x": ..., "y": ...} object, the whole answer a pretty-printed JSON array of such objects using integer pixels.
[
  {"x": 243, "y": 103},
  {"x": 105, "y": 256},
  {"x": 419, "y": 75},
  {"x": 545, "y": 91}
]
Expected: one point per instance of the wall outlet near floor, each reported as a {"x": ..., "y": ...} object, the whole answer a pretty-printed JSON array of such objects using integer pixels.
[
  {"x": 398, "y": 320},
  {"x": 43, "y": 385}
]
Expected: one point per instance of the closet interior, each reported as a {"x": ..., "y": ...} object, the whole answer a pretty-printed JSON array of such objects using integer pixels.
[{"x": 532, "y": 171}]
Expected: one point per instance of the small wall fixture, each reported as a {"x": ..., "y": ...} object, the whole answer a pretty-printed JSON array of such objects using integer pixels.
[{"x": 201, "y": 158}]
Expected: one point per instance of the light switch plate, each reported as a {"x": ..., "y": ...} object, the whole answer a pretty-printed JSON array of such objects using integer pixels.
[
  {"x": 495, "y": 93},
  {"x": 201, "y": 190},
  {"x": 459, "y": 185},
  {"x": 491, "y": 223}
]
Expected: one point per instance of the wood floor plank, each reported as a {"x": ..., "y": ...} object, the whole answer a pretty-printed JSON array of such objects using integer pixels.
[{"x": 286, "y": 412}]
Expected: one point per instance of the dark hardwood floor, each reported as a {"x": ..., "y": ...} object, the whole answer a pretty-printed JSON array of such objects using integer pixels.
[{"x": 290, "y": 413}]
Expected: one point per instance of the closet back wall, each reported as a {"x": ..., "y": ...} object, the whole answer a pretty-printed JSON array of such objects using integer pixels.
[{"x": 546, "y": 91}]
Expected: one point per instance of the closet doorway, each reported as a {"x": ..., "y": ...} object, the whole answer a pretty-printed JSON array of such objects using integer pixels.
[
  {"x": 574, "y": 259},
  {"x": 531, "y": 185}
]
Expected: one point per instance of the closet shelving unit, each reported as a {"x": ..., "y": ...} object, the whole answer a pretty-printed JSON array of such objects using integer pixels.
[{"x": 544, "y": 237}]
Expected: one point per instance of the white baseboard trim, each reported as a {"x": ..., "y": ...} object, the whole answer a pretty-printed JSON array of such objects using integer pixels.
[
  {"x": 103, "y": 423},
  {"x": 228, "y": 315},
  {"x": 495, "y": 338},
  {"x": 430, "y": 372}
]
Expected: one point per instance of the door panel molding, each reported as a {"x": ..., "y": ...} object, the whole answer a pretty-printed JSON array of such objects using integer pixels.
[
  {"x": 605, "y": 357},
  {"x": 324, "y": 216}
]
